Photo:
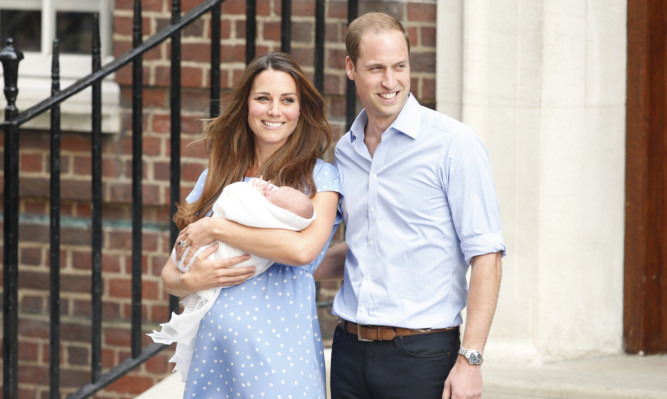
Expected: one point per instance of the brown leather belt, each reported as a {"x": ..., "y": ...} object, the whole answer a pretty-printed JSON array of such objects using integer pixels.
[{"x": 385, "y": 333}]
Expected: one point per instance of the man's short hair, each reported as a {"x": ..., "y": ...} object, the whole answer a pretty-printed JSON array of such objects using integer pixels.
[{"x": 374, "y": 22}]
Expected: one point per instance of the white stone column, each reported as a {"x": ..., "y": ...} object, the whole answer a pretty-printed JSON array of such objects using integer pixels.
[{"x": 543, "y": 84}]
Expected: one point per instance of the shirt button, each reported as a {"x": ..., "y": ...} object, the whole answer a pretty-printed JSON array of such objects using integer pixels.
[
  {"x": 374, "y": 175},
  {"x": 363, "y": 309},
  {"x": 372, "y": 209},
  {"x": 370, "y": 243}
]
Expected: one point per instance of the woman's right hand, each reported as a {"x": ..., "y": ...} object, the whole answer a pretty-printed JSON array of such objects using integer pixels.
[{"x": 205, "y": 274}]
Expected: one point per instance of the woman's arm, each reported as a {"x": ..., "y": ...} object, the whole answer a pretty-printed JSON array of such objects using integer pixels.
[
  {"x": 205, "y": 273},
  {"x": 283, "y": 246}
]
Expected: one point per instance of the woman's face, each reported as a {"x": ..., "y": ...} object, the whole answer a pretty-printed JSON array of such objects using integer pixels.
[{"x": 273, "y": 109}]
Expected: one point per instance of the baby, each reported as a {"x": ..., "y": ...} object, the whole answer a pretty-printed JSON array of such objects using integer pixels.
[
  {"x": 286, "y": 198},
  {"x": 256, "y": 203}
]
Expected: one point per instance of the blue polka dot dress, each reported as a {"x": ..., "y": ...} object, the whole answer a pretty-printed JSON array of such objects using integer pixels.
[{"x": 262, "y": 339}]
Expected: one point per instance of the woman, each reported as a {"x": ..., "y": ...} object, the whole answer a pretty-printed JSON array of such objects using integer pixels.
[{"x": 262, "y": 336}]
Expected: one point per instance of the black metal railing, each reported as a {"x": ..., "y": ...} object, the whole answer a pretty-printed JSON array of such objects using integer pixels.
[{"x": 10, "y": 58}]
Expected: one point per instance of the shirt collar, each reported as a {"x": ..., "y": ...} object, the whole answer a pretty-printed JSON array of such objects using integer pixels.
[{"x": 407, "y": 121}]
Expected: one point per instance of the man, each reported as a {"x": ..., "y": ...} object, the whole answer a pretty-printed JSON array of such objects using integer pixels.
[{"x": 419, "y": 206}]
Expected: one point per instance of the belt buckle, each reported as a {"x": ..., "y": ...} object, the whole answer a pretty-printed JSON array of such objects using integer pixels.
[{"x": 359, "y": 335}]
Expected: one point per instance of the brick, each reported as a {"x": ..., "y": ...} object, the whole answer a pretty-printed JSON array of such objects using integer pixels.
[
  {"x": 34, "y": 206},
  {"x": 151, "y": 194},
  {"x": 232, "y": 53},
  {"x": 31, "y": 162},
  {"x": 34, "y": 186},
  {"x": 151, "y": 146},
  {"x": 24, "y": 392},
  {"x": 119, "y": 192},
  {"x": 131, "y": 384},
  {"x": 303, "y": 8},
  {"x": 75, "y": 235},
  {"x": 225, "y": 29},
  {"x": 117, "y": 337},
  {"x": 82, "y": 165},
  {"x": 75, "y": 332},
  {"x": 150, "y": 290},
  {"x": 393, "y": 8},
  {"x": 303, "y": 32},
  {"x": 74, "y": 378},
  {"x": 195, "y": 29},
  {"x": 422, "y": 62},
  {"x": 82, "y": 308},
  {"x": 196, "y": 51},
  {"x": 190, "y": 76},
  {"x": 270, "y": 30},
  {"x": 333, "y": 32},
  {"x": 28, "y": 351},
  {"x": 76, "y": 189},
  {"x": 428, "y": 89},
  {"x": 120, "y": 288},
  {"x": 160, "y": 313},
  {"x": 422, "y": 12},
  {"x": 428, "y": 36},
  {"x": 111, "y": 310},
  {"x": 76, "y": 142},
  {"x": 335, "y": 59},
  {"x": 75, "y": 283},
  {"x": 31, "y": 328},
  {"x": 233, "y": 7},
  {"x": 29, "y": 374},
  {"x": 334, "y": 84},
  {"x": 413, "y": 35},
  {"x": 111, "y": 263},
  {"x": 30, "y": 256},
  {"x": 155, "y": 98},
  {"x": 193, "y": 124},
  {"x": 78, "y": 355},
  {"x": 119, "y": 239},
  {"x": 158, "y": 364},
  {"x": 109, "y": 358},
  {"x": 36, "y": 232},
  {"x": 337, "y": 9},
  {"x": 32, "y": 304}
]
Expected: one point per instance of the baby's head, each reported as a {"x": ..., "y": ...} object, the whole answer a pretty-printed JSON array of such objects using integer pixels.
[{"x": 292, "y": 200}]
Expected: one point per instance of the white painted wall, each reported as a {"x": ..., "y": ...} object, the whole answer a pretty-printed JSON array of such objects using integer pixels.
[{"x": 543, "y": 83}]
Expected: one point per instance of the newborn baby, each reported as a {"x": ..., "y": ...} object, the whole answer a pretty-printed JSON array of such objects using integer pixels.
[{"x": 256, "y": 203}]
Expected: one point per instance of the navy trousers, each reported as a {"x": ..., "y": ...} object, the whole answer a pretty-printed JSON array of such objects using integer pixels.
[{"x": 404, "y": 368}]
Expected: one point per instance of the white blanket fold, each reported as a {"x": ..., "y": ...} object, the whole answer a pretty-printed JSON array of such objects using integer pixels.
[{"x": 242, "y": 203}]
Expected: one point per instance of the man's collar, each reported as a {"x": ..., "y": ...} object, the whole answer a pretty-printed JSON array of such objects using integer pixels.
[{"x": 406, "y": 122}]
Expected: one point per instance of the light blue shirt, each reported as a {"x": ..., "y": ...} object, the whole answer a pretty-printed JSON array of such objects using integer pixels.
[{"x": 415, "y": 214}]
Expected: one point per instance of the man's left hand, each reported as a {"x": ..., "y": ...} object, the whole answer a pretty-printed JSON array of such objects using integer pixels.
[{"x": 464, "y": 381}]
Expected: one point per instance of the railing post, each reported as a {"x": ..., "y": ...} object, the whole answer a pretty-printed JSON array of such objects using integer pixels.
[
  {"x": 10, "y": 58},
  {"x": 54, "y": 249},
  {"x": 351, "y": 90},
  {"x": 137, "y": 178},
  {"x": 96, "y": 207},
  {"x": 250, "y": 30},
  {"x": 175, "y": 108}
]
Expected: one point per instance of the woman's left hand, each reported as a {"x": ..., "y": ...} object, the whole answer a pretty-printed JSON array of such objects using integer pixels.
[{"x": 196, "y": 235}]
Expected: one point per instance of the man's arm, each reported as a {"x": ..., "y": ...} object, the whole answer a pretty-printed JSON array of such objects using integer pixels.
[
  {"x": 333, "y": 264},
  {"x": 465, "y": 380}
]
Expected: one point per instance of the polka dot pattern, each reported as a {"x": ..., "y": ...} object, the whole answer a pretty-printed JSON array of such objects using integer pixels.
[{"x": 262, "y": 339}]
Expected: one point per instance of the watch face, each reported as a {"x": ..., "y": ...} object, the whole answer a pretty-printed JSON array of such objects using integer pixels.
[{"x": 474, "y": 357}]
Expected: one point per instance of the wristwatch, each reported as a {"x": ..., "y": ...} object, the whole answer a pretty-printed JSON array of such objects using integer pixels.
[{"x": 473, "y": 356}]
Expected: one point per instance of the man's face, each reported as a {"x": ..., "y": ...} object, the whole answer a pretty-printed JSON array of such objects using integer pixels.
[{"x": 381, "y": 75}]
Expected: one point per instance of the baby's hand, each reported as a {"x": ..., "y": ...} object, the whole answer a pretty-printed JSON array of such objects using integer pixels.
[{"x": 264, "y": 187}]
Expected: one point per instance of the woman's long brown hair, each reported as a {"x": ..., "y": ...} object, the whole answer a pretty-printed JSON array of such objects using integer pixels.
[{"x": 231, "y": 143}]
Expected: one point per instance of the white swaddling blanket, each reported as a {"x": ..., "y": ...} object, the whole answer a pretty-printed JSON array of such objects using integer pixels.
[{"x": 242, "y": 203}]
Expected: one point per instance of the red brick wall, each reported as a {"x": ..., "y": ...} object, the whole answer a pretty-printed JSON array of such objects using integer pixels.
[{"x": 75, "y": 257}]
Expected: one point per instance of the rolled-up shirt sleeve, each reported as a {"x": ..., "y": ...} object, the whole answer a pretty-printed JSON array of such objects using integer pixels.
[{"x": 472, "y": 197}]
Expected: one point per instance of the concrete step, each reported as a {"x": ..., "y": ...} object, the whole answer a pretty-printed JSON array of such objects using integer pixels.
[{"x": 615, "y": 377}]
